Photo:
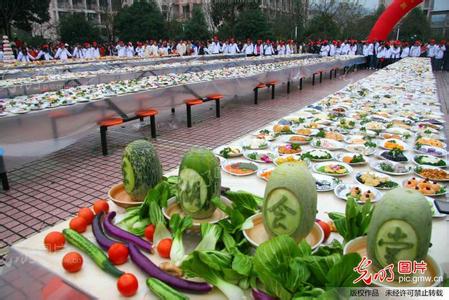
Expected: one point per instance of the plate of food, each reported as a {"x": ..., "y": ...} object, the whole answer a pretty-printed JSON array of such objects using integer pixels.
[
  {"x": 356, "y": 139},
  {"x": 391, "y": 144},
  {"x": 377, "y": 180},
  {"x": 432, "y": 173},
  {"x": 353, "y": 159},
  {"x": 282, "y": 129},
  {"x": 296, "y": 139},
  {"x": 375, "y": 126},
  {"x": 435, "y": 151},
  {"x": 430, "y": 142},
  {"x": 229, "y": 151},
  {"x": 330, "y": 135},
  {"x": 327, "y": 144},
  {"x": 239, "y": 168},
  {"x": 255, "y": 144},
  {"x": 306, "y": 131},
  {"x": 425, "y": 186},
  {"x": 260, "y": 156},
  {"x": 290, "y": 158},
  {"x": 395, "y": 155},
  {"x": 318, "y": 155},
  {"x": 288, "y": 149},
  {"x": 429, "y": 160},
  {"x": 325, "y": 183},
  {"x": 265, "y": 134},
  {"x": 332, "y": 168},
  {"x": 265, "y": 173},
  {"x": 358, "y": 192},
  {"x": 391, "y": 168},
  {"x": 362, "y": 149}
]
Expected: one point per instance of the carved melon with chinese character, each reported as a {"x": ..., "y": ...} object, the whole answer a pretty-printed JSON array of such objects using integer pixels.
[
  {"x": 400, "y": 228},
  {"x": 290, "y": 201},
  {"x": 199, "y": 182}
]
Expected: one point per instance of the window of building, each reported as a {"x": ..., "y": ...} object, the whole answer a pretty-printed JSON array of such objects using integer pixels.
[
  {"x": 440, "y": 5},
  {"x": 78, "y": 4},
  {"x": 186, "y": 11},
  {"x": 63, "y": 4},
  {"x": 104, "y": 4},
  {"x": 438, "y": 20},
  {"x": 91, "y": 4},
  {"x": 62, "y": 14}
]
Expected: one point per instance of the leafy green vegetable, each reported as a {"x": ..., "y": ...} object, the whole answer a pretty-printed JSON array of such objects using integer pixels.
[
  {"x": 210, "y": 234},
  {"x": 355, "y": 221},
  {"x": 178, "y": 225}
]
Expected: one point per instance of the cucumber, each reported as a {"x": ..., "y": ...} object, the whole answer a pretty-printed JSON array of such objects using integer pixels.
[
  {"x": 94, "y": 252},
  {"x": 164, "y": 291}
]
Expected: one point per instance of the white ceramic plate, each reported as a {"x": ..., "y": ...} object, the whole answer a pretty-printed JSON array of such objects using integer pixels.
[{"x": 318, "y": 166}]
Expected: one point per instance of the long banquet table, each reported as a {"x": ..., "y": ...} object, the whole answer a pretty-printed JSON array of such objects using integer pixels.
[
  {"x": 29, "y": 256},
  {"x": 114, "y": 72},
  {"x": 37, "y": 133}
]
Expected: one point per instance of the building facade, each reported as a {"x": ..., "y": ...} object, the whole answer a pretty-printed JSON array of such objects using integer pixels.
[{"x": 438, "y": 14}]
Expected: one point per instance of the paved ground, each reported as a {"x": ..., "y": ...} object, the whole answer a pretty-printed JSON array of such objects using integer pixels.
[{"x": 53, "y": 188}]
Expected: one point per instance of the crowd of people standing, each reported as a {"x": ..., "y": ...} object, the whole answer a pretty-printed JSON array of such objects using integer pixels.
[
  {"x": 382, "y": 53},
  {"x": 378, "y": 53}
]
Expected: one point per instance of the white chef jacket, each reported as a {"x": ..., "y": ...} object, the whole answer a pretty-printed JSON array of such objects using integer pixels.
[
  {"x": 431, "y": 50},
  {"x": 288, "y": 49},
  {"x": 395, "y": 52},
  {"x": 233, "y": 49},
  {"x": 95, "y": 52},
  {"x": 46, "y": 55},
  {"x": 248, "y": 49},
  {"x": 258, "y": 49},
  {"x": 181, "y": 49},
  {"x": 324, "y": 50},
  {"x": 121, "y": 50},
  {"x": 24, "y": 58},
  {"x": 281, "y": 49},
  {"x": 381, "y": 52},
  {"x": 140, "y": 51},
  {"x": 353, "y": 49},
  {"x": 332, "y": 50},
  {"x": 268, "y": 50},
  {"x": 344, "y": 49},
  {"x": 129, "y": 51},
  {"x": 388, "y": 53},
  {"x": 337, "y": 50},
  {"x": 163, "y": 51},
  {"x": 63, "y": 54},
  {"x": 415, "y": 51},
  {"x": 368, "y": 50},
  {"x": 214, "y": 48},
  {"x": 86, "y": 53},
  {"x": 405, "y": 52},
  {"x": 77, "y": 53},
  {"x": 439, "y": 51}
]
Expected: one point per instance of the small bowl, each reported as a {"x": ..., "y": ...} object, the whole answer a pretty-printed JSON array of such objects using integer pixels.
[
  {"x": 120, "y": 197},
  {"x": 257, "y": 234},
  {"x": 174, "y": 208},
  {"x": 359, "y": 245}
]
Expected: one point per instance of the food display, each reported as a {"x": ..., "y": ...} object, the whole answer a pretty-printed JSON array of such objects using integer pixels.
[
  {"x": 289, "y": 159},
  {"x": 317, "y": 155},
  {"x": 428, "y": 160},
  {"x": 240, "y": 168},
  {"x": 287, "y": 149},
  {"x": 231, "y": 151},
  {"x": 425, "y": 186},
  {"x": 391, "y": 168},
  {"x": 376, "y": 180},
  {"x": 395, "y": 155},
  {"x": 358, "y": 193},
  {"x": 260, "y": 156},
  {"x": 435, "y": 174},
  {"x": 332, "y": 168},
  {"x": 352, "y": 158}
]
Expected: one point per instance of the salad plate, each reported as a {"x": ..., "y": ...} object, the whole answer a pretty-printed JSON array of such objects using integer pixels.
[
  {"x": 391, "y": 144},
  {"x": 229, "y": 151},
  {"x": 325, "y": 183},
  {"x": 394, "y": 155},
  {"x": 260, "y": 156},
  {"x": 239, "y": 167},
  {"x": 318, "y": 155},
  {"x": 430, "y": 142},
  {"x": 429, "y": 160},
  {"x": 391, "y": 168},
  {"x": 332, "y": 168},
  {"x": 353, "y": 159},
  {"x": 434, "y": 151},
  {"x": 264, "y": 134},
  {"x": 255, "y": 144},
  {"x": 287, "y": 149},
  {"x": 362, "y": 149},
  {"x": 358, "y": 192},
  {"x": 432, "y": 173},
  {"x": 376, "y": 180},
  {"x": 290, "y": 158},
  {"x": 328, "y": 144},
  {"x": 296, "y": 139}
]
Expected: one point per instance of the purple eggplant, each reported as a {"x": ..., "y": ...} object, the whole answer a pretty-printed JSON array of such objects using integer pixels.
[
  {"x": 151, "y": 269},
  {"x": 124, "y": 235},
  {"x": 97, "y": 228},
  {"x": 259, "y": 295}
]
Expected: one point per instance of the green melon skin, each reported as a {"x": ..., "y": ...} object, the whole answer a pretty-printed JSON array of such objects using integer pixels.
[
  {"x": 290, "y": 201},
  {"x": 404, "y": 216},
  {"x": 141, "y": 169},
  {"x": 199, "y": 181}
]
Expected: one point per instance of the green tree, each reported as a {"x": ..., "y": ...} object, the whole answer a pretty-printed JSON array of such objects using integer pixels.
[
  {"x": 141, "y": 21},
  {"x": 362, "y": 26},
  {"x": 252, "y": 23},
  {"x": 74, "y": 28},
  {"x": 196, "y": 27},
  {"x": 322, "y": 26},
  {"x": 414, "y": 26},
  {"x": 22, "y": 13},
  {"x": 224, "y": 14},
  {"x": 174, "y": 30}
]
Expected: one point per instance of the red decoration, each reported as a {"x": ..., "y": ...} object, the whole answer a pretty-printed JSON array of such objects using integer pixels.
[{"x": 390, "y": 17}]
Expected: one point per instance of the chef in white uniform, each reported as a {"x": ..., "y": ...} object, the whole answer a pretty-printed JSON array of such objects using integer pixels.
[
  {"x": 24, "y": 55},
  {"x": 332, "y": 48},
  {"x": 258, "y": 48},
  {"x": 396, "y": 51},
  {"x": 181, "y": 48},
  {"x": 324, "y": 50},
  {"x": 289, "y": 48},
  {"x": 214, "y": 46},
  {"x": 62, "y": 53},
  {"x": 268, "y": 48},
  {"x": 77, "y": 53},
  {"x": 281, "y": 48},
  {"x": 353, "y": 47},
  {"x": 405, "y": 50},
  {"x": 95, "y": 50},
  {"x": 121, "y": 49},
  {"x": 248, "y": 48},
  {"x": 130, "y": 50},
  {"x": 415, "y": 50},
  {"x": 439, "y": 54},
  {"x": 233, "y": 48},
  {"x": 44, "y": 53},
  {"x": 140, "y": 49},
  {"x": 431, "y": 47}
]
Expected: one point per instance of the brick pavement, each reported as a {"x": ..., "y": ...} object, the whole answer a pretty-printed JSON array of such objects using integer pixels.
[{"x": 51, "y": 189}]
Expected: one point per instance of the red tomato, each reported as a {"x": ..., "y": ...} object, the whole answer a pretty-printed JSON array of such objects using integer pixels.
[
  {"x": 101, "y": 205},
  {"x": 127, "y": 285},
  {"x": 87, "y": 214},
  {"x": 118, "y": 253},
  {"x": 78, "y": 224},
  {"x": 54, "y": 241},
  {"x": 72, "y": 262},
  {"x": 164, "y": 247},
  {"x": 326, "y": 228},
  {"x": 149, "y": 232}
]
